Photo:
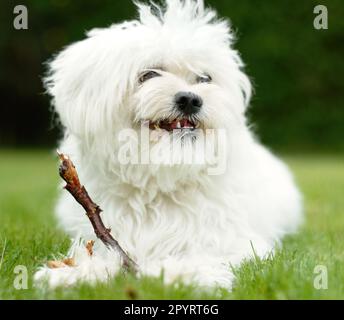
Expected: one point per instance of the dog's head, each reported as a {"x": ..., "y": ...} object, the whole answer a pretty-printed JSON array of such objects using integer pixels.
[{"x": 173, "y": 68}]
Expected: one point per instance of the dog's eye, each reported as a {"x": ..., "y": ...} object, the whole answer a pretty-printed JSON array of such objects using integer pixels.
[
  {"x": 204, "y": 79},
  {"x": 148, "y": 75}
]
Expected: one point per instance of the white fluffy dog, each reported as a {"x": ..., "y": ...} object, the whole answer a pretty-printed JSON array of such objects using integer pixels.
[{"x": 175, "y": 71}]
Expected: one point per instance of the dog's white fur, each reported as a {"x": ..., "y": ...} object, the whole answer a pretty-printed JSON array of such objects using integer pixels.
[{"x": 176, "y": 219}]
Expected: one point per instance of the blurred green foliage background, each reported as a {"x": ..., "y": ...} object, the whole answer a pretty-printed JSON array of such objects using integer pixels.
[{"x": 297, "y": 70}]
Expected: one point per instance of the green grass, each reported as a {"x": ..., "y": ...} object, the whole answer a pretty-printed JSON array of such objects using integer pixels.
[{"x": 28, "y": 236}]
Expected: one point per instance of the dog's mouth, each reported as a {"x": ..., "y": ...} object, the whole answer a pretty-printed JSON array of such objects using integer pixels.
[{"x": 176, "y": 124}]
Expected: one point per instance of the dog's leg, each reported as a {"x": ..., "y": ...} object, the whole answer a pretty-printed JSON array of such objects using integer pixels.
[
  {"x": 208, "y": 270},
  {"x": 100, "y": 266},
  {"x": 204, "y": 271}
]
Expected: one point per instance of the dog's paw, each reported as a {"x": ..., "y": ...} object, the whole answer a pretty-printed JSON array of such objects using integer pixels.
[
  {"x": 92, "y": 271},
  {"x": 86, "y": 268},
  {"x": 64, "y": 276}
]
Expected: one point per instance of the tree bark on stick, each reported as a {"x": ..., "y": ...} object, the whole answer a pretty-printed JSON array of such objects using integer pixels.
[{"x": 69, "y": 174}]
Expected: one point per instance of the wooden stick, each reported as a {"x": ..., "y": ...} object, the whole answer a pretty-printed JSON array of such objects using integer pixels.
[{"x": 69, "y": 174}]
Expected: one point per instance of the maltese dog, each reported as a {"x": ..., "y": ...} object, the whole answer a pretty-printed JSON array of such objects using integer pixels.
[{"x": 153, "y": 112}]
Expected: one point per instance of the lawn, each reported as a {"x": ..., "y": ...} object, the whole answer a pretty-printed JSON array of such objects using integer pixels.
[{"x": 28, "y": 237}]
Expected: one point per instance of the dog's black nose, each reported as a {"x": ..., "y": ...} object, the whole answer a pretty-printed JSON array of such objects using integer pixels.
[{"x": 188, "y": 102}]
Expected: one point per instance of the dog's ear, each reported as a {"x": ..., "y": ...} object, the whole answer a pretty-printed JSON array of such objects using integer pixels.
[
  {"x": 88, "y": 81},
  {"x": 244, "y": 83}
]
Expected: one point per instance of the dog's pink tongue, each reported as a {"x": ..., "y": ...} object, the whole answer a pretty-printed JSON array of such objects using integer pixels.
[{"x": 185, "y": 123}]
